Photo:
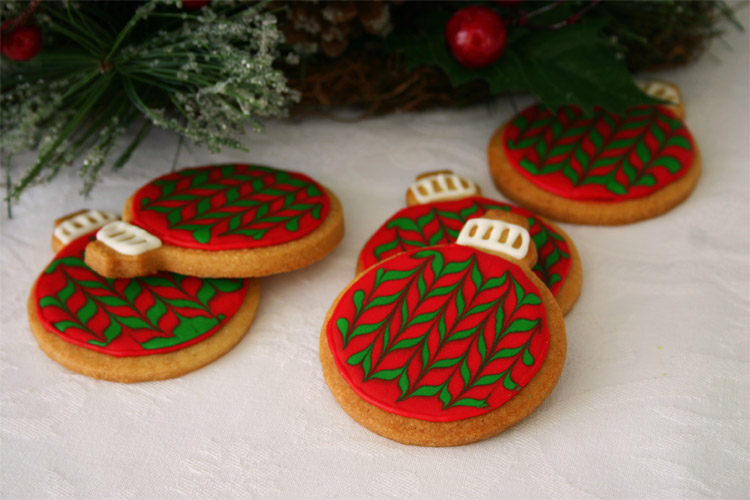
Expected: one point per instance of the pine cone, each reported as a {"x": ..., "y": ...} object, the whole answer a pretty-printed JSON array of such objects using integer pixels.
[
  {"x": 375, "y": 17},
  {"x": 330, "y": 26}
]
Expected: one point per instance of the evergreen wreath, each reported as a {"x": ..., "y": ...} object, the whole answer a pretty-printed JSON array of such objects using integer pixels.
[{"x": 76, "y": 76}]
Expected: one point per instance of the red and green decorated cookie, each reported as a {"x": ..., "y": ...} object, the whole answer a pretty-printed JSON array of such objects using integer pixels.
[
  {"x": 438, "y": 223},
  {"x": 447, "y": 344},
  {"x": 600, "y": 169},
  {"x": 129, "y": 330},
  {"x": 231, "y": 220}
]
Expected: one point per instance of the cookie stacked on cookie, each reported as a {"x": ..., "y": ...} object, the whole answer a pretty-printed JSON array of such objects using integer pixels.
[
  {"x": 437, "y": 208},
  {"x": 174, "y": 285},
  {"x": 452, "y": 331},
  {"x": 221, "y": 221},
  {"x": 449, "y": 333}
]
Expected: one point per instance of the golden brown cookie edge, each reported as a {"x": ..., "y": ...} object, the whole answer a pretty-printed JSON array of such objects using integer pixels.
[
  {"x": 412, "y": 431},
  {"x": 151, "y": 367},
  {"x": 240, "y": 263},
  {"x": 517, "y": 188}
]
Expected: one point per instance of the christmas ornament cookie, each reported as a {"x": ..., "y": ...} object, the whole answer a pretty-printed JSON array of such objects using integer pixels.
[
  {"x": 227, "y": 221},
  {"x": 132, "y": 330},
  {"x": 449, "y": 344},
  {"x": 601, "y": 169},
  {"x": 447, "y": 202}
]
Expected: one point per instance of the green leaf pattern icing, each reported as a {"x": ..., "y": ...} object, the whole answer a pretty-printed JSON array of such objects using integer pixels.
[
  {"x": 131, "y": 317},
  {"x": 439, "y": 223},
  {"x": 603, "y": 158},
  {"x": 230, "y": 206},
  {"x": 440, "y": 334}
]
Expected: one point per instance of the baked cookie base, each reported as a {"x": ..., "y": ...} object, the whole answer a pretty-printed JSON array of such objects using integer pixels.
[
  {"x": 413, "y": 431},
  {"x": 570, "y": 290},
  {"x": 152, "y": 367},
  {"x": 519, "y": 189},
  {"x": 411, "y": 200},
  {"x": 240, "y": 263}
]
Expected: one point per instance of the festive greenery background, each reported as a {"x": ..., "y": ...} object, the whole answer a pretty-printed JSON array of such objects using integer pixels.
[
  {"x": 208, "y": 73},
  {"x": 577, "y": 52}
]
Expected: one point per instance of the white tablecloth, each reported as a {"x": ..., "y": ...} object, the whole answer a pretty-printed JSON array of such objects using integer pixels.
[{"x": 653, "y": 401}]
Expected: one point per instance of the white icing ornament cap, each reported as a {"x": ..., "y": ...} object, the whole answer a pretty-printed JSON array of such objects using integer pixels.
[
  {"x": 127, "y": 239},
  {"x": 83, "y": 223},
  {"x": 660, "y": 90},
  {"x": 496, "y": 236},
  {"x": 442, "y": 186}
]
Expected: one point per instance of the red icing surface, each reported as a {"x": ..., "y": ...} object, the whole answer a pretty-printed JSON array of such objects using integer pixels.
[
  {"x": 432, "y": 224},
  {"x": 131, "y": 317},
  {"x": 604, "y": 158},
  {"x": 439, "y": 334},
  {"x": 227, "y": 207}
]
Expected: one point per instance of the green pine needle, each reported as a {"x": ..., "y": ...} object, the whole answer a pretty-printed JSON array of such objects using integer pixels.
[{"x": 204, "y": 74}]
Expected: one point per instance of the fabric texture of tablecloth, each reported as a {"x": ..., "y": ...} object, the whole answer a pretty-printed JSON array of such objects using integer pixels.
[{"x": 652, "y": 403}]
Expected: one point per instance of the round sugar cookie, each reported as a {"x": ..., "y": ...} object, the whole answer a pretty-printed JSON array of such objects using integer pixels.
[
  {"x": 558, "y": 266},
  {"x": 601, "y": 169},
  {"x": 446, "y": 345},
  {"x": 228, "y": 221},
  {"x": 140, "y": 329},
  {"x": 431, "y": 220}
]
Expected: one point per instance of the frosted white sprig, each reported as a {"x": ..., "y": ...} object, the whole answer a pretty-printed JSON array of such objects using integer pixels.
[{"x": 204, "y": 74}]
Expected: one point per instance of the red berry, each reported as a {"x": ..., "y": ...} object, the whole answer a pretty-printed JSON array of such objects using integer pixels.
[
  {"x": 194, "y": 4},
  {"x": 23, "y": 43},
  {"x": 476, "y": 36}
]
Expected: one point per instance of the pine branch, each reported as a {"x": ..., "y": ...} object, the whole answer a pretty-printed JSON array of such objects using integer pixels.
[{"x": 203, "y": 74}]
